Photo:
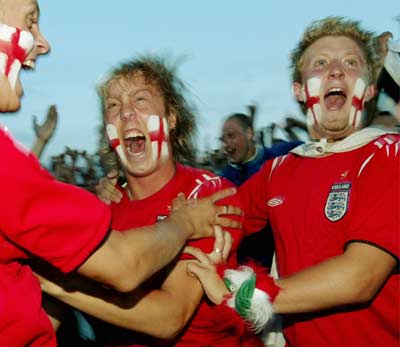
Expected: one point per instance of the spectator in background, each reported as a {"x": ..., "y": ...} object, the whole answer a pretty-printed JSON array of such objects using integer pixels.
[
  {"x": 44, "y": 131},
  {"x": 245, "y": 158}
]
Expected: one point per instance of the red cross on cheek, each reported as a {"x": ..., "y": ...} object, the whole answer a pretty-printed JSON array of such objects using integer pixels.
[
  {"x": 310, "y": 102},
  {"x": 13, "y": 50},
  {"x": 358, "y": 104},
  {"x": 158, "y": 135}
]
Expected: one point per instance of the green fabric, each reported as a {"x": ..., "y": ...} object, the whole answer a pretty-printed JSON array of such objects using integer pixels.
[{"x": 244, "y": 295}]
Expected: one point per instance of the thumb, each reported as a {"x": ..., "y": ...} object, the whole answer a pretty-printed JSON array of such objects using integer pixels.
[{"x": 113, "y": 176}]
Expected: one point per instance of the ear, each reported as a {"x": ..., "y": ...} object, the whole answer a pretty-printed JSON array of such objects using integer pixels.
[
  {"x": 297, "y": 91},
  {"x": 171, "y": 120},
  {"x": 370, "y": 92},
  {"x": 249, "y": 134}
]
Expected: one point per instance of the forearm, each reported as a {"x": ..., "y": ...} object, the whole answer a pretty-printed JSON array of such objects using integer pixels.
[
  {"x": 127, "y": 259},
  {"x": 38, "y": 147},
  {"x": 154, "y": 312},
  {"x": 351, "y": 278}
]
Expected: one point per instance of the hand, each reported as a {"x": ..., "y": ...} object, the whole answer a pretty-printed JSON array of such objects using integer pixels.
[
  {"x": 205, "y": 271},
  {"x": 220, "y": 253},
  {"x": 106, "y": 188},
  {"x": 45, "y": 131},
  {"x": 199, "y": 216}
]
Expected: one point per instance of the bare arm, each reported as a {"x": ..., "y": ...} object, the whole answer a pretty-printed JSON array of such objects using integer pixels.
[
  {"x": 161, "y": 313},
  {"x": 127, "y": 259},
  {"x": 351, "y": 278},
  {"x": 45, "y": 131}
]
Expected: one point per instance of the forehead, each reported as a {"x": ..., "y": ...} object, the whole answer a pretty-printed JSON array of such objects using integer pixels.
[
  {"x": 23, "y": 5},
  {"x": 130, "y": 84},
  {"x": 333, "y": 45},
  {"x": 231, "y": 125}
]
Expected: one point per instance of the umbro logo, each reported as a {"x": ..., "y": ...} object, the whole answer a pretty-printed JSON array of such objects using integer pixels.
[{"x": 276, "y": 201}]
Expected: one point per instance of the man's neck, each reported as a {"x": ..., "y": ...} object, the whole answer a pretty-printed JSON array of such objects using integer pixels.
[{"x": 141, "y": 187}]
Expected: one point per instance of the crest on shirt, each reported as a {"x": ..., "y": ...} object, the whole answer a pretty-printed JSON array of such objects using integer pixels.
[{"x": 337, "y": 201}]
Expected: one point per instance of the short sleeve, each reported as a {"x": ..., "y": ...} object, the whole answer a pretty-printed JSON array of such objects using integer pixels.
[
  {"x": 253, "y": 194},
  {"x": 57, "y": 222},
  {"x": 376, "y": 214}
]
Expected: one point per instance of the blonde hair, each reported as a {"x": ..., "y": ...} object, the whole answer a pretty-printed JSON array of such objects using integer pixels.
[
  {"x": 334, "y": 26},
  {"x": 162, "y": 74}
]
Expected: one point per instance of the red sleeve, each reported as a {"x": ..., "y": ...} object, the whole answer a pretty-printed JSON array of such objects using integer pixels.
[
  {"x": 206, "y": 189},
  {"x": 253, "y": 194},
  {"x": 375, "y": 218},
  {"x": 58, "y": 222}
]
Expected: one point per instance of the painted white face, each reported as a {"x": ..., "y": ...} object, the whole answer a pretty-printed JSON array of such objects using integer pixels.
[
  {"x": 138, "y": 135},
  {"x": 21, "y": 42},
  {"x": 15, "y": 45},
  {"x": 335, "y": 87}
]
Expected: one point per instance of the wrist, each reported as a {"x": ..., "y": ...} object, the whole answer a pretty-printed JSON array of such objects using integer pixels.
[{"x": 252, "y": 292}]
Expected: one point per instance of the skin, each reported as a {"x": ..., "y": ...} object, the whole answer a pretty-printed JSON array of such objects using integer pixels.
[
  {"x": 161, "y": 312},
  {"x": 122, "y": 261},
  {"x": 45, "y": 131},
  {"x": 128, "y": 107},
  {"x": 23, "y": 14},
  {"x": 238, "y": 143},
  {"x": 337, "y": 62},
  {"x": 355, "y": 276}
]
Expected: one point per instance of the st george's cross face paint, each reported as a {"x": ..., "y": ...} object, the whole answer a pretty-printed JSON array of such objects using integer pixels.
[
  {"x": 311, "y": 93},
  {"x": 158, "y": 132},
  {"x": 15, "y": 45},
  {"x": 138, "y": 152}
]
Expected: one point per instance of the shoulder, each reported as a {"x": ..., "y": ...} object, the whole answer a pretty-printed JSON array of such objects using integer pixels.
[
  {"x": 282, "y": 147},
  {"x": 382, "y": 154}
]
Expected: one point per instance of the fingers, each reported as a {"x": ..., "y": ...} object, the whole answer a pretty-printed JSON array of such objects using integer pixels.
[
  {"x": 223, "y": 194},
  {"x": 178, "y": 202},
  {"x": 219, "y": 244},
  {"x": 229, "y": 209},
  {"x": 227, "y": 245},
  {"x": 198, "y": 254},
  {"x": 228, "y": 223},
  {"x": 106, "y": 190}
]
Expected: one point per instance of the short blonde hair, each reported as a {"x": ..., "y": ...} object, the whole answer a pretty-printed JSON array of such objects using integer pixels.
[{"x": 334, "y": 26}]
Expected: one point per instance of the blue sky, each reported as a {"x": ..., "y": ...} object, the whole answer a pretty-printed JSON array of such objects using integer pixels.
[{"x": 236, "y": 52}]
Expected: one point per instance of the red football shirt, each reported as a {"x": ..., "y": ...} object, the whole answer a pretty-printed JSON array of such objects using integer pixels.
[
  {"x": 205, "y": 328},
  {"x": 59, "y": 223},
  {"x": 316, "y": 206}
]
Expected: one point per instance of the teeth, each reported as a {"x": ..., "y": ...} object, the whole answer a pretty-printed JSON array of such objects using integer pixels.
[
  {"x": 30, "y": 64},
  {"x": 335, "y": 90},
  {"x": 134, "y": 134}
]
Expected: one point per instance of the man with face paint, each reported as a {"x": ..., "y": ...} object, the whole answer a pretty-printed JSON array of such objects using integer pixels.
[
  {"x": 149, "y": 126},
  {"x": 62, "y": 224},
  {"x": 333, "y": 204}
]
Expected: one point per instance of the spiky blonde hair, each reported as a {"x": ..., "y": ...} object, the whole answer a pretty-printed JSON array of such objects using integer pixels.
[{"x": 334, "y": 26}]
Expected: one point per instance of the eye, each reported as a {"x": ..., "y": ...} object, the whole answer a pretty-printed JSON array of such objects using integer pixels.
[
  {"x": 351, "y": 63},
  {"x": 320, "y": 63},
  {"x": 111, "y": 105}
]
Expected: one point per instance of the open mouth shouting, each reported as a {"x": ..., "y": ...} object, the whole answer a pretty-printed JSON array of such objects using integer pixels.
[
  {"x": 335, "y": 98},
  {"x": 134, "y": 142}
]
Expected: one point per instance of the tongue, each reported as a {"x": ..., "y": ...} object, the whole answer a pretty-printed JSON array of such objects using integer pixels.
[
  {"x": 136, "y": 146},
  {"x": 334, "y": 102}
]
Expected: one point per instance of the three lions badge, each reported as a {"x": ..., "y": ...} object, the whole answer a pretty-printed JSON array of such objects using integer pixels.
[{"x": 337, "y": 201}]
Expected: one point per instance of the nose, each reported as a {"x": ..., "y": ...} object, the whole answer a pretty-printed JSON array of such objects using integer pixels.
[
  {"x": 127, "y": 111},
  {"x": 42, "y": 46},
  {"x": 336, "y": 69}
]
